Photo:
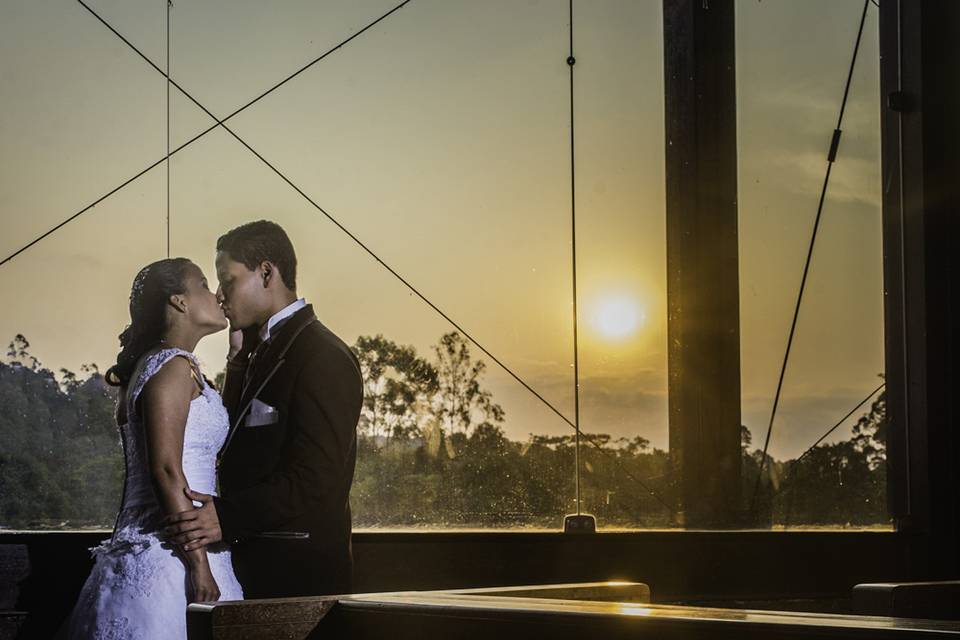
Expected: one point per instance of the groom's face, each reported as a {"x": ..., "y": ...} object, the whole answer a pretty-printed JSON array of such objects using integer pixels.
[{"x": 241, "y": 293}]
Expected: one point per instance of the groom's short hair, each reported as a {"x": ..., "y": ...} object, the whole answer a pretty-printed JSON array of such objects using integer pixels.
[{"x": 254, "y": 242}]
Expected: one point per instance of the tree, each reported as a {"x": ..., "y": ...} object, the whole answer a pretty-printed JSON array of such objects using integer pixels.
[
  {"x": 18, "y": 353},
  {"x": 461, "y": 404},
  {"x": 68, "y": 380},
  {"x": 833, "y": 484},
  {"x": 634, "y": 446},
  {"x": 757, "y": 497},
  {"x": 398, "y": 386},
  {"x": 870, "y": 432},
  {"x": 60, "y": 458},
  {"x": 746, "y": 439},
  {"x": 431, "y": 452}
]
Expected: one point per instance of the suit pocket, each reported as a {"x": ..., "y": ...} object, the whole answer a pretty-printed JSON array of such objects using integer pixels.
[{"x": 261, "y": 415}]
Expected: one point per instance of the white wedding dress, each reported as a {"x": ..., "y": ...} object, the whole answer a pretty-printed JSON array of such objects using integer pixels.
[{"x": 138, "y": 585}]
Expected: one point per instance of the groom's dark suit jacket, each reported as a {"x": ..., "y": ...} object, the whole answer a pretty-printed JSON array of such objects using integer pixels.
[{"x": 289, "y": 472}]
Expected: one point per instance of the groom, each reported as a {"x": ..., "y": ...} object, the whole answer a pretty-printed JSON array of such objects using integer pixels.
[{"x": 293, "y": 390}]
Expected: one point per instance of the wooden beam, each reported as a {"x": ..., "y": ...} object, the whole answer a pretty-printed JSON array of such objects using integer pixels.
[
  {"x": 703, "y": 299},
  {"x": 920, "y": 62}
]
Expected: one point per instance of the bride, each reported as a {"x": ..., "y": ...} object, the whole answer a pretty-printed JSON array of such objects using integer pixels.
[{"x": 172, "y": 423}]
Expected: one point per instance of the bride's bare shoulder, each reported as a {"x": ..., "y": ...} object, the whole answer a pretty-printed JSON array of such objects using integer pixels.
[{"x": 175, "y": 378}]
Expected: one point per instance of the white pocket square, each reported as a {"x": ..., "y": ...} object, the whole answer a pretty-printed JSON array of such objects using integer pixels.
[{"x": 261, "y": 414}]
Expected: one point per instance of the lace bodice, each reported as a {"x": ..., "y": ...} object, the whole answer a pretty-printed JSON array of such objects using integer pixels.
[
  {"x": 205, "y": 431},
  {"x": 138, "y": 586}
]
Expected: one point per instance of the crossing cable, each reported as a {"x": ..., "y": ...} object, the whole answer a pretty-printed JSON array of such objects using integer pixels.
[
  {"x": 795, "y": 464},
  {"x": 218, "y": 122},
  {"x": 573, "y": 242},
  {"x": 831, "y": 157},
  {"x": 837, "y": 425},
  {"x": 393, "y": 272},
  {"x": 826, "y": 434},
  {"x": 221, "y": 123}
]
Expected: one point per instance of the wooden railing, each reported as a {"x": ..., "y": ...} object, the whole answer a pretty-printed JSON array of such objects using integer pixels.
[{"x": 613, "y": 610}]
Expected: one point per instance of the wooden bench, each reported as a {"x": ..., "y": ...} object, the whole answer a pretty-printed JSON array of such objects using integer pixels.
[{"x": 940, "y": 600}]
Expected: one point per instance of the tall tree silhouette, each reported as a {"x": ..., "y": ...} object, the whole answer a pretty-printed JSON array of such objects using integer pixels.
[
  {"x": 398, "y": 387},
  {"x": 461, "y": 404},
  {"x": 870, "y": 432}
]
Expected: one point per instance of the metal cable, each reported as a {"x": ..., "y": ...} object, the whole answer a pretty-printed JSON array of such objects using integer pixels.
[
  {"x": 795, "y": 464},
  {"x": 221, "y": 123},
  {"x": 831, "y": 157},
  {"x": 199, "y": 135},
  {"x": 573, "y": 242}
]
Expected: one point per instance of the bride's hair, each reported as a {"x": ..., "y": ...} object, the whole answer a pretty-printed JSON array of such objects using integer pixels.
[{"x": 151, "y": 291}]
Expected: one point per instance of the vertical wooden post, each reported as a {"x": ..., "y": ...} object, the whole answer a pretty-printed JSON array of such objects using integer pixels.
[
  {"x": 702, "y": 260},
  {"x": 920, "y": 62}
]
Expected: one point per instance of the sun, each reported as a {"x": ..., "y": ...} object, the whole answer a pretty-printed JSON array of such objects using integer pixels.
[{"x": 617, "y": 316}]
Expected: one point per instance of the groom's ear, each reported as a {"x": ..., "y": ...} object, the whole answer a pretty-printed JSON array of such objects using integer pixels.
[{"x": 267, "y": 272}]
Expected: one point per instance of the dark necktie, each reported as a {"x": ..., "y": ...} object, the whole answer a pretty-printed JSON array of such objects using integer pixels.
[
  {"x": 260, "y": 348},
  {"x": 252, "y": 360}
]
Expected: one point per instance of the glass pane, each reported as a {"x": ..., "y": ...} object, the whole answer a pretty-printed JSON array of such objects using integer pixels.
[
  {"x": 790, "y": 87},
  {"x": 621, "y": 262},
  {"x": 82, "y": 114},
  {"x": 440, "y": 144}
]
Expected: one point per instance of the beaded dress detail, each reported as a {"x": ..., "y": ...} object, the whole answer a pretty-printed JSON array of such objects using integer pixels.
[{"x": 138, "y": 585}]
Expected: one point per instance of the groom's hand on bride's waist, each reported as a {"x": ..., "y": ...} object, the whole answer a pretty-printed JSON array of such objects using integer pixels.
[{"x": 194, "y": 528}]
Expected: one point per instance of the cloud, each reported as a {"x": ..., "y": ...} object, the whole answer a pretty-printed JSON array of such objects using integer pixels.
[
  {"x": 803, "y": 173},
  {"x": 785, "y": 136},
  {"x": 628, "y": 405}
]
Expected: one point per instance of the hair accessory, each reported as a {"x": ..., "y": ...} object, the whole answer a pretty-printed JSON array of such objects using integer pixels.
[{"x": 138, "y": 283}]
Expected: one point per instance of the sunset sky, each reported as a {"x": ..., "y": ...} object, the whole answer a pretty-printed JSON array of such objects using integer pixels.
[{"x": 440, "y": 138}]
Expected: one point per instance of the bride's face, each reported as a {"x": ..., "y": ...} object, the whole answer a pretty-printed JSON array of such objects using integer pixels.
[{"x": 203, "y": 309}]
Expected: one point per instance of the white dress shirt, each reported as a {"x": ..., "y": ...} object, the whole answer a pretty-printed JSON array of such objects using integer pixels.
[{"x": 286, "y": 312}]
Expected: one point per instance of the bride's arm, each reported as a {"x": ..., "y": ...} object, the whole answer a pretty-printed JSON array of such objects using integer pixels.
[{"x": 165, "y": 403}]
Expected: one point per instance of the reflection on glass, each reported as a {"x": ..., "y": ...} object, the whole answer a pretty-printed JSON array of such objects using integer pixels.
[
  {"x": 81, "y": 115},
  {"x": 60, "y": 458},
  {"x": 790, "y": 88},
  {"x": 621, "y": 263},
  {"x": 440, "y": 140}
]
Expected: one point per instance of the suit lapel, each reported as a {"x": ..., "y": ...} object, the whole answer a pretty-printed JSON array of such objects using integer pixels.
[
  {"x": 268, "y": 363},
  {"x": 278, "y": 344}
]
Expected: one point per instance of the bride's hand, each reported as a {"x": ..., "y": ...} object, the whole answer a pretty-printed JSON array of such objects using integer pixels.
[
  {"x": 203, "y": 587},
  {"x": 236, "y": 343},
  {"x": 242, "y": 342}
]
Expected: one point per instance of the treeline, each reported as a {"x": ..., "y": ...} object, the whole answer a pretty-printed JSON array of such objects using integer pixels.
[
  {"x": 60, "y": 458},
  {"x": 432, "y": 453}
]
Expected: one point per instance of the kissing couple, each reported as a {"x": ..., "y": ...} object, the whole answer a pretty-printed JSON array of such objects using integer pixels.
[{"x": 224, "y": 498}]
